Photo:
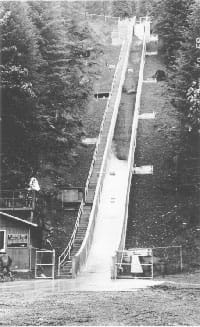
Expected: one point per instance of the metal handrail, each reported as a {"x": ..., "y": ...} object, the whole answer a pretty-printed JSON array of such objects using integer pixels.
[
  {"x": 67, "y": 250},
  {"x": 17, "y": 198},
  {"x": 80, "y": 258},
  {"x": 102, "y": 123},
  {"x": 133, "y": 142}
]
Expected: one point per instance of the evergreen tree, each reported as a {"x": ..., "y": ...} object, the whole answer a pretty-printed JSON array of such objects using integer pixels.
[
  {"x": 44, "y": 87},
  {"x": 62, "y": 96},
  {"x": 122, "y": 8},
  {"x": 188, "y": 71},
  {"x": 20, "y": 59},
  {"x": 171, "y": 23}
]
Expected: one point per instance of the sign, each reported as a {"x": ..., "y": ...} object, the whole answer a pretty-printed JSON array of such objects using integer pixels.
[{"x": 17, "y": 240}]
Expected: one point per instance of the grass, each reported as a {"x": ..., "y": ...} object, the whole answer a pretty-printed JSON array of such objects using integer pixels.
[{"x": 161, "y": 211}]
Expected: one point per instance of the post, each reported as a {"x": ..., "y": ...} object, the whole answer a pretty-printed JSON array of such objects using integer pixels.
[
  {"x": 33, "y": 200},
  {"x": 30, "y": 256},
  {"x": 114, "y": 267},
  {"x": 74, "y": 272},
  {"x": 59, "y": 266},
  {"x": 36, "y": 264},
  {"x": 13, "y": 206},
  {"x": 181, "y": 257},
  {"x": 53, "y": 264}
]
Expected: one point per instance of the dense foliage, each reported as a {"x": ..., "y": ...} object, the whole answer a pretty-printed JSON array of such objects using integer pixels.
[
  {"x": 178, "y": 26},
  {"x": 171, "y": 25},
  {"x": 44, "y": 87},
  {"x": 123, "y": 8}
]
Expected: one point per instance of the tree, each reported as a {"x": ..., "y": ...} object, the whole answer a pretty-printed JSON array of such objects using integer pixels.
[
  {"x": 187, "y": 73},
  {"x": 171, "y": 23},
  {"x": 193, "y": 112},
  {"x": 122, "y": 8},
  {"x": 43, "y": 93},
  {"x": 61, "y": 96},
  {"x": 20, "y": 58},
  {"x": 144, "y": 7}
]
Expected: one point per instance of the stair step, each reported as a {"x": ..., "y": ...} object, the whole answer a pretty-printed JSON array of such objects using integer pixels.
[{"x": 65, "y": 277}]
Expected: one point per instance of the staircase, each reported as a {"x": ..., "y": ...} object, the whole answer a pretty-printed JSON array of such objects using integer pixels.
[
  {"x": 66, "y": 269},
  {"x": 96, "y": 173}
]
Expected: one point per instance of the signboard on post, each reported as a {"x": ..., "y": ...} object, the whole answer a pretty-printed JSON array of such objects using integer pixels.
[{"x": 17, "y": 240}]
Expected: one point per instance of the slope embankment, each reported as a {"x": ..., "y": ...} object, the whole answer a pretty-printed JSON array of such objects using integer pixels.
[{"x": 164, "y": 207}]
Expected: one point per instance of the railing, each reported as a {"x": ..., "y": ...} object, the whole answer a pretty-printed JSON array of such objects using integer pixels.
[
  {"x": 148, "y": 262},
  {"x": 102, "y": 123},
  {"x": 67, "y": 252},
  {"x": 113, "y": 104},
  {"x": 65, "y": 255},
  {"x": 105, "y": 17},
  {"x": 132, "y": 151},
  {"x": 16, "y": 199},
  {"x": 45, "y": 263}
]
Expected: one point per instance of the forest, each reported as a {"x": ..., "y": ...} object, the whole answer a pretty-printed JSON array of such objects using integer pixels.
[
  {"x": 46, "y": 77},
  {"x": 45, "y": 84}
]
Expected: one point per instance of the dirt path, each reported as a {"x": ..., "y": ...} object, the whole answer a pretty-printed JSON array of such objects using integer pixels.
[{"x": 162, "y": 305}]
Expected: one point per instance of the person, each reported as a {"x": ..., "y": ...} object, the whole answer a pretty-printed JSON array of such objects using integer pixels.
[
  {"x": 5, "y": 264},
  {"x": 34, "y": 185}
]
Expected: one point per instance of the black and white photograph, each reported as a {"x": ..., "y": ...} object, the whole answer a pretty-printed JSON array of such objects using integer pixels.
[{"x": 100, "y": 163}]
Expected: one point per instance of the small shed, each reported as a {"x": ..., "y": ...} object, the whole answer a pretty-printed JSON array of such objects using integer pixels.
[{"x": 19, "y": 238}]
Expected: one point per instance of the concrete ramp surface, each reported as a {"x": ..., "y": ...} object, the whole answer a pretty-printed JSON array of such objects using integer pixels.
[{"x": 110, "y": 218}]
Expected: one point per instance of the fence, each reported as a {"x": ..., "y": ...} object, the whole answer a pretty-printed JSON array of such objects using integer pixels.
[
  {"x": 45, "y": 264},
  {"x": 148, "y": 262},
  {"x": 16, "y": 199},
  {"x": 132, "y": 148},
  {"x": 110, "y": 113},
  {"x": 106, "y": 18}
]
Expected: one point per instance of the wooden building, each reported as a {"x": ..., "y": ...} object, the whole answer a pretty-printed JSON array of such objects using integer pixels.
[{"x": 19, "y": 238}]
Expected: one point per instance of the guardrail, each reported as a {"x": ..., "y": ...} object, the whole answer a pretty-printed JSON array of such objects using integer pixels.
[
  {"x": 131, "y": 152},
  {"x": 18, "y": 199},
  {"x": 67, "y": 251},
  {"x": 103, "y": 122},
  {"x": 105, "y": 17},
  {"x": 112, "y": 107}
]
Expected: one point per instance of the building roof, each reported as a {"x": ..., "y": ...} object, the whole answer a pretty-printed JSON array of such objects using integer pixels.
[{"x": 18, "y": 219}]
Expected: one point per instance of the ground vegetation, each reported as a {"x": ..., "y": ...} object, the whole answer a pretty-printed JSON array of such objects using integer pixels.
[{"x": 177, "y": 25}]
